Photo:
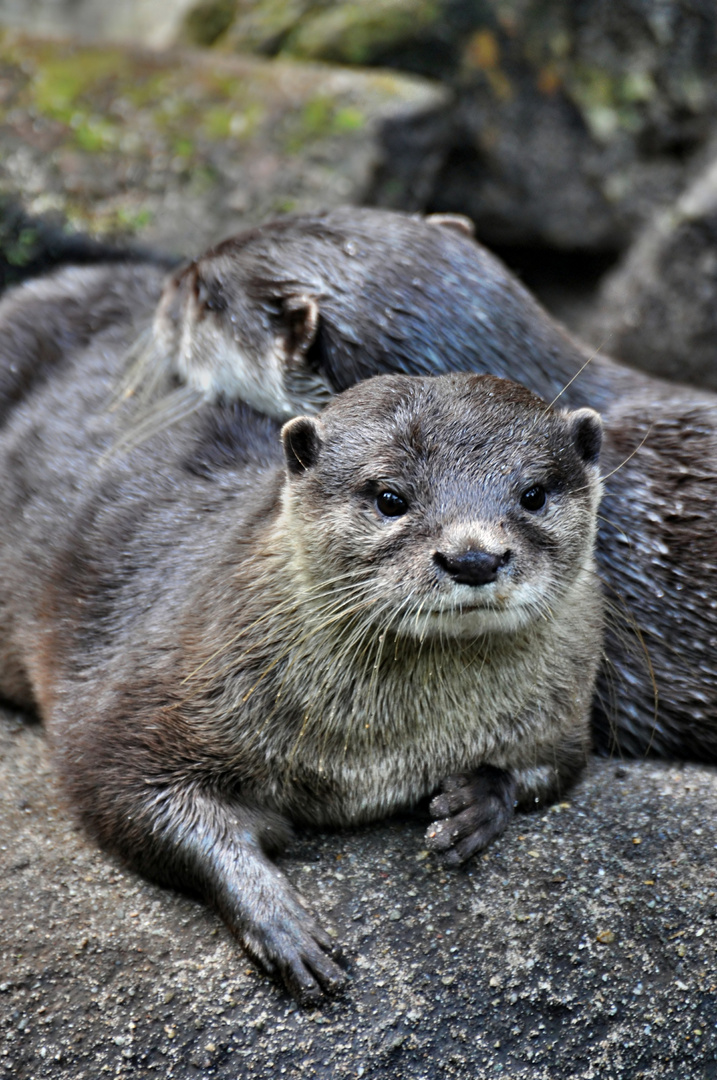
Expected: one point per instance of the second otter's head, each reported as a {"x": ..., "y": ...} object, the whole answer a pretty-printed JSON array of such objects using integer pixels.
[{"x": 459, "y": 505}]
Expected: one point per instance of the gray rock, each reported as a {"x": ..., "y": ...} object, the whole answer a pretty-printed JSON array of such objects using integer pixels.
[
  {"x": 575, "y": 121},
  {"x": 658, "y": 309},
  {"x": 182, "y": 148},
  {"x": 572, "y": 121},
  {"x": 581, "y": 945},
  {"x": 152, "y": 22}
]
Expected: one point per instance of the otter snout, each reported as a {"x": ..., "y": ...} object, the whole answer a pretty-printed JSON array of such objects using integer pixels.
[{"x": 473, "y": 566}]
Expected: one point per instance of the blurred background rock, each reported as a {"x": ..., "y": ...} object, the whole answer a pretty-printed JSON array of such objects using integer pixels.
[{"x": 564, "y": 128}]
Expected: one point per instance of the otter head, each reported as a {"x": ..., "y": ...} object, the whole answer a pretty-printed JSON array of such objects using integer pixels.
[
  {"x": 228, "y": 332},
  {"x": 458, "y": 505}
]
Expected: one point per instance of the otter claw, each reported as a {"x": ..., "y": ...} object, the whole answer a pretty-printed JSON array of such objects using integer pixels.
[
  {"x": 471, "y": 812},
  {"x": 307, "y": 964}
]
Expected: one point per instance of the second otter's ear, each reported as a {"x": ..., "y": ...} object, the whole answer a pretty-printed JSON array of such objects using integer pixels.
[
  {"x": 586, "y": 430},
  {"x": 458, "y": 222},
  {"x": 302, "y": 441},
  {"x": 301, "y": 321}
]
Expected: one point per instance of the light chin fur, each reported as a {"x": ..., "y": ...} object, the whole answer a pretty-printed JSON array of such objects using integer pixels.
[
  {"x": 226, "y": 370},
  {"x": 507, "y": 611}
]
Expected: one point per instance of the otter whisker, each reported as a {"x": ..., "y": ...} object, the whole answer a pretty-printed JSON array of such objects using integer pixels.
[
  {"x": 579, "y": 372},
  {"x": 629, "y": 457}
]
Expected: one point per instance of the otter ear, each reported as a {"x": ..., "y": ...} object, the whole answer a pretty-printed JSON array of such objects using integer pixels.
[
  {"x": 302, "y": 441},
  {"x": 301, "y": 321},
  {"x": 586, "y": 430},
  {"x": 458, "y": 222}
]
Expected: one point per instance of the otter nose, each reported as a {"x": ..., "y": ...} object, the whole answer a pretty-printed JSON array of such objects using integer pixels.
[{"x": 472, "y": 567}]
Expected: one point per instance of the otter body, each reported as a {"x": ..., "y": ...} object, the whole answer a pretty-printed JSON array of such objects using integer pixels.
[
  {"x": 290, "y": 313},
  {"x": 230, "y": 627},
  {"x": 287, "y": 314}
]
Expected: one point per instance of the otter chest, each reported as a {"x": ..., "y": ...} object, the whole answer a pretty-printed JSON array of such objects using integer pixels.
[{"x": 385, "y": 743}]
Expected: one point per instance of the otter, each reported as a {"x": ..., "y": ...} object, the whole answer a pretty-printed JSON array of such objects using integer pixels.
[
  {"x": 287, "y": 314},
  {"x": 238, "y": 626}
]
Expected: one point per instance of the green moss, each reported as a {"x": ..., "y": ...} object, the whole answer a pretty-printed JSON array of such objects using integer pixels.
[
  {"x": 204, "y": 178},
  {"x": 21, "y": 249},
  {"x": 92, "y": 91},
  {"x": 317, "y": 117},
  {"x": 609, "y": 102},
  {"x": 348, "y": 119},
  {"x": 262, "y": 26},
  {"x": 321, "y": 118},
  {"x": 355, "y": 33},
  {"x": 206, "y": 23},
  {"x": 149, "y": 90},
  {"x": 223, "y": 122},
  {"x": 133, "y": 219},
  {"x": 183, "y": 147},
  {"x": 60, "y": 86},
  {"x": 284, "y": 206},
  {"x": 217, "y": 122},
  {"x": 94, "y": 134}
]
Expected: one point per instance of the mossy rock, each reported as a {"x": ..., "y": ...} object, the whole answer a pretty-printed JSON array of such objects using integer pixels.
[
  {"x": 363, "y": 34},
  {"x": 183, "y": 146},
  {"x": 422, "y": 36}
]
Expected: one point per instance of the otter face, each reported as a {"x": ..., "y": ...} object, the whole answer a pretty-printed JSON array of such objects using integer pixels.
[
  {"x": 228, "y": 336},
  {"x": 460, "y": 505}
]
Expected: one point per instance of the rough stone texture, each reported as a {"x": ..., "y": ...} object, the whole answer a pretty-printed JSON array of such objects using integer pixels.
[
  {"x": 415, "y": 35},
  {"x": 573, "y": 120},
  {"x": 182, "y": 148},
  {"x": 582, "y": 945},
  {"x": 152, "y": 22},
  {"x": 658, "y": 309},
  {"x": 576, "y": 120}
]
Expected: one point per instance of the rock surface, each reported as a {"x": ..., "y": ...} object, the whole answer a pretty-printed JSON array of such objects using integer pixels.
[
  {"x": 572, "y": 121},
  {"x": 582, "y": 945},
  {"x": 575, "y": 121},
  {"x": 182, "y": 148},
  {"x": 658, "y": 309},
  {"x": 156, "y": 23}
]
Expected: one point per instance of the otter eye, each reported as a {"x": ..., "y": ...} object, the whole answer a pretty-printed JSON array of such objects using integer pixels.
[
  {"x": 390, "y": 504},
  {"x": 534, "y": 498}
]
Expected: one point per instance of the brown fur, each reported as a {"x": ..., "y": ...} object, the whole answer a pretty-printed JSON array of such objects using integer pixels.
[
  {"x": 288, "y": 314},
  {"x": 223, "y": 638}
]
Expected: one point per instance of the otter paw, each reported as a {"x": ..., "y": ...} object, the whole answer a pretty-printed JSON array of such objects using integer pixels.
[
  {"x": 471, "y": 811},
  {"x": 289, "y": 944}
]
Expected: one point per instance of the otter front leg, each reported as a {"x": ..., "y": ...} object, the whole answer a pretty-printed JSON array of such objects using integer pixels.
[
  {"x": 195, "y": 840},
  {"x": 473, "y": 810}
]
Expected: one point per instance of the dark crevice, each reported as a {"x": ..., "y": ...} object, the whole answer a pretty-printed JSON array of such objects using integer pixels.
[{"x": 565, "y": 282}]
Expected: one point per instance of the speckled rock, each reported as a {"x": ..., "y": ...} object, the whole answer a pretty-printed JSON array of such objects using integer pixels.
[
  {"x": 576, "y": 120},
  {"x": 581, "y": 946}
]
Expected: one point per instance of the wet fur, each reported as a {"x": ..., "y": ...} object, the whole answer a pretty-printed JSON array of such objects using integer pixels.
[
  {"x": 223, "y": 637},
  {"x": 289, "y": 313}
]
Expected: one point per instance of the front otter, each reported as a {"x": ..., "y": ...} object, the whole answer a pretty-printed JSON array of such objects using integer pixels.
[
  {"x": 439, "y": 537},
  {"x": 223, "y": 637},
  {"x": 303, "y": 307}
]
